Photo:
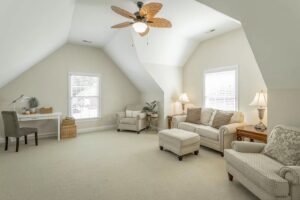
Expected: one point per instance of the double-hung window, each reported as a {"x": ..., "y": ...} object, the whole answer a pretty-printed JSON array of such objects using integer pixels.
[
  {"x": 220, "y": 88},
  {"x": 84, "y": 97}
]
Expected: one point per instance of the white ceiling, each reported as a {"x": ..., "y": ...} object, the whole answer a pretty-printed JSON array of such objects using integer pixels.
[{"x": 29, "y": 31}]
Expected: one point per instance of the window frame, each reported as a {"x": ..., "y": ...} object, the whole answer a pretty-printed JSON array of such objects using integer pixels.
[
  {"x": 222, "y": 69},
  {"x": 70, "y": 90}
]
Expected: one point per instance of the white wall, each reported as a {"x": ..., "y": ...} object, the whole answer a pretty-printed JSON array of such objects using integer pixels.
[
  {"x": 48, "y": 81},
  {"x": 226, "y": 50},
  {"x": 284, "y": 107}
]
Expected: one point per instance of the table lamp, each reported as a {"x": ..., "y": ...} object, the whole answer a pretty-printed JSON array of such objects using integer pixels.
[
  {"x": 260, "y": 101},
  {"x": 183, "y": 99}
]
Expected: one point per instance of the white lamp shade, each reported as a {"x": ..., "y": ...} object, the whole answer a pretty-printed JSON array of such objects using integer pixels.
[
  {"x": 260, "y": 100},
  {"x": 140, "y": 27},
  {"x": 183, "y": 98}
]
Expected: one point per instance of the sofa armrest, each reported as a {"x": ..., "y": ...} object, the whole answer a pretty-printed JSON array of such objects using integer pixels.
[
  {"x": 291, "y": 174},
  {"x": 230, "y": 128},
  {"x": 141, "y": 116},
  {"x": 120, "y": 115},
  {"x": 177, "y": 119},
  {"x": 248, "y": 147}
]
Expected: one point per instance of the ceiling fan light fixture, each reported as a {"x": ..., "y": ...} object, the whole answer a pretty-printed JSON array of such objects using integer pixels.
[{"x": 140, "y": 27}]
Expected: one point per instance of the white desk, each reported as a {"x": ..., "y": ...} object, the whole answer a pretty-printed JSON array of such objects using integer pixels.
[{"x": 36, "y": 117}]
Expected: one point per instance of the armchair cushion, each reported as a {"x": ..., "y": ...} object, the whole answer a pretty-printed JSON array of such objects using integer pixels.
[
  {"x": 260, "y": 170},
  {"x": 291, "y": 173},
  {"x": 248, "y": 147},
  {"x": 284, "y": 145},
  {"x": 128, "y": 120}
]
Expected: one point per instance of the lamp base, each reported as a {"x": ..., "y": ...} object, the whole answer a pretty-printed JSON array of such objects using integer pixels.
[{"x": 260, "y": 126}]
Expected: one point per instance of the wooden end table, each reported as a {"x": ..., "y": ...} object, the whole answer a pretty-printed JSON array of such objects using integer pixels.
[{"x": 251, "y": 133}]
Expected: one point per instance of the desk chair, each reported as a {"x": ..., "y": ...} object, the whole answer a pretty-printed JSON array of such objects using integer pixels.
[{"x": 12, "y": 129}]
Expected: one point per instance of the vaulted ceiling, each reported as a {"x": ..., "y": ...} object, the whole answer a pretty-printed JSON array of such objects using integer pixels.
[{"x": 33, "y": 29}]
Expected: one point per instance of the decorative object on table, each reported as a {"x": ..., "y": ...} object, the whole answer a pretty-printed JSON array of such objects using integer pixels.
[
  {"x": 33, "y": 104},
  {"x": 12, "y": 129},
  {"x": 46, "y": 110},
  {"x": 143, "y": 18},
  {"x": 252, "y": 133},
  {"x": 183, "y": 99},
  {"x": 150, "y": 108},
  {"x": 68, "y": 128},
  {"x": 260, "y": 101},
  {"x": 20, "y": 99}
]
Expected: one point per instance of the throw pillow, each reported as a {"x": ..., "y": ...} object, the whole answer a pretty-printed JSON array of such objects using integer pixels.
[
  {"x": 206, "y": 114},
  {"x": 284, "y": 145},
  {"x": 193, "y": 115},
  {"x": 238, "y": 117},
  {"x": 136, "y": 113},
  {"x": 129, "y": 113},
  {"x": 221, "y": 118}
]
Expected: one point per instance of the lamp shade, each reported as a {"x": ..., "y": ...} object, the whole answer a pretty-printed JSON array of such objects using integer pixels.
[
  {"x": 140, "y": 27},
  {"x": 183, "y": 98},
  {"x": 260, "y": 100}
]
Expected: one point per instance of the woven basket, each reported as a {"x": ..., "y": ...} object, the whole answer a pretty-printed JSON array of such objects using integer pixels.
[
  {"x": 68, "y": 121},
  {"x": 69, "y": 131},
  {"x": 45, "y": 110}
]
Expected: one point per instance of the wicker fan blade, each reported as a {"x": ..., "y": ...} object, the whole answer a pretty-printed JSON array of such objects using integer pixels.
[
  {"x": 150, "y": 10},
  {"x": 122, "y": 25},
  {"x": 123, "y": 12},
  {"x": 145, "y": 33},
  {"x": 159, "y": 23}
]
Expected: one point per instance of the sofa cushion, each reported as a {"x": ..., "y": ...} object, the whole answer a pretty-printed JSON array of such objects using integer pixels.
[
  {"x": 193, "y": 115},
  {"x": 206, "y": 114},
  {"x": 179, "y": 137},
  {"x": 237, "y": 117},
  {"x": 188, "y": 126},
  {"x": 259, "y": 169},
  {"x": 221, "y": 118},
  {"x": 208, "y": 132},
  {"x": 128, "y": 120},
  {"x": 284, "y": 145}
]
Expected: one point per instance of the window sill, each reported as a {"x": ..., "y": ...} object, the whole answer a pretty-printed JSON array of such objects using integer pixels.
[{"x": 88, "y": 119}]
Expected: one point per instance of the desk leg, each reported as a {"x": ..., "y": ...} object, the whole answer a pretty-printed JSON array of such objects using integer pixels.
[{"x": 58, "y": 128}]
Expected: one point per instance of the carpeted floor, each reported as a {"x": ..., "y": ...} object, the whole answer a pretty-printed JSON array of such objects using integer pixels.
[{"x": 113, "y": 166}]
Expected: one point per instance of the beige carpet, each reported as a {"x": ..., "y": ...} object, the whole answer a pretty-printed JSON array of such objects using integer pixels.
[{"x": 113, "y": 166}]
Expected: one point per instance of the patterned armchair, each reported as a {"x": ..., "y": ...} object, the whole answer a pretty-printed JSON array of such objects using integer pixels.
[
  {"x": 270, "y": 175},
  {"x": 132, "y": 119}
]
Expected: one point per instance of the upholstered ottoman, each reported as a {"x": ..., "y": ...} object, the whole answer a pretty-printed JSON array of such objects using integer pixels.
[{"x": 179, "y": 141}]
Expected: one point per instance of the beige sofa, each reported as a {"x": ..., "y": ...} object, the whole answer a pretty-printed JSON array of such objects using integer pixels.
[
  {"x": 265, "y": 177},
  {"x": 217, "y": 139},
  {"x": 136, "y": 121}
]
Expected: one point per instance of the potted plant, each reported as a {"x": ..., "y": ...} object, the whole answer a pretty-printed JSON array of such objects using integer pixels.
[
  {"x": 151, "y": 109},
  {"x": 33, "y": 104}
]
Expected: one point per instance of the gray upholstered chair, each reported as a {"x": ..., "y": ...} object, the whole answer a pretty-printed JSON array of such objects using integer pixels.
[
  {"x": 136, "y": 121},
  {"x": 12, "y": 129}
]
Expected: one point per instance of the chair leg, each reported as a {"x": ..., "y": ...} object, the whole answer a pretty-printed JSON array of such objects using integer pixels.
[
  {"x": 17, "y": 144},
  {"x": 25, "y": 139},
  {"x": 6, "y": 143},
  {"x": 230, "y": 177},
  {"x": 36, "y": 139}
]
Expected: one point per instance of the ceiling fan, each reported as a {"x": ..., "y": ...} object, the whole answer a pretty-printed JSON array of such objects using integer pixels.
[{"x": 143, "y": 18}]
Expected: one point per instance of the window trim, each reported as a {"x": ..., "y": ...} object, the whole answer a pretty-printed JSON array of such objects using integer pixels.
[
  {"x": 222, "y": 69},
  {"x": 69, "y": 94}
]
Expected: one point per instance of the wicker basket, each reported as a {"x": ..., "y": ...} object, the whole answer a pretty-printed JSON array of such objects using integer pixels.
[
  {"x": 45, "y": 110},
  {"x": 68, "y": 121},
  {"x": 68, "y": 131}
]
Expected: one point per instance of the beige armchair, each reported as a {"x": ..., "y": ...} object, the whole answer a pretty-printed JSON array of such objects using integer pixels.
[
  {"x": 132, "y": 119},
  {"x": 267, "y": 178}
]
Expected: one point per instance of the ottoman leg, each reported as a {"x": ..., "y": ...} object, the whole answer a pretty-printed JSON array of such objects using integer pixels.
[
  {"x": 230, "y": 177},
  {"x": 161, "y": 147},
  {"x": 196, "y": 152},
  {"x": 180, "y": 158}
]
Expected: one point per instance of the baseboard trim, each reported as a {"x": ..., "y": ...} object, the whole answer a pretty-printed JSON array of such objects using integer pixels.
[{"x": 51, "y": 134}]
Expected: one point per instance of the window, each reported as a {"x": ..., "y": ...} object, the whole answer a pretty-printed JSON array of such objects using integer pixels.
[
  {"x": 220, "y": 88},
  {"x": 84, "y": 99}
]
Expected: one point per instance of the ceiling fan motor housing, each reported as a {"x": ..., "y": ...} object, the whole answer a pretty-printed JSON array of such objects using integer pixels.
[{"x": 140, "y": 4}]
